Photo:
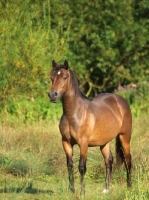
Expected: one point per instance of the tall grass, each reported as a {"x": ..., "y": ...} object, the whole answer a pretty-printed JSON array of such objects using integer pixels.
[{"x": 33, "y": 166}]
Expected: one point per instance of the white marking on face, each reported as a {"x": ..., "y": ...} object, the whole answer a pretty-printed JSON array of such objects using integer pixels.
[{"x": 58, "y": 72}]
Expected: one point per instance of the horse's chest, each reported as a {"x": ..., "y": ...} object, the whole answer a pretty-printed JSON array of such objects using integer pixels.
[
  {"x": 69, "y": 130},
  {"x": 77, "y": 132},
  {"x": 74, "y": 133},
  {"x": 76, "y": 128}
]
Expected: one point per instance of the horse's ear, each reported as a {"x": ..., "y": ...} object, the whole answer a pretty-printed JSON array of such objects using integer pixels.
[
  {"x": 66, "y": 64},
  {"x": 54, "y": 64}
]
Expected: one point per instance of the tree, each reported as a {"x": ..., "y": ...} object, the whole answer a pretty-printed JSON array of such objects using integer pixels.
[
  {"x": 27, "y": 47},
  {"x": 108, "y": 41}
]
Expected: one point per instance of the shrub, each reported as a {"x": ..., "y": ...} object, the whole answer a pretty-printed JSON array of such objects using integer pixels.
[{"x": 137, "y": 96}]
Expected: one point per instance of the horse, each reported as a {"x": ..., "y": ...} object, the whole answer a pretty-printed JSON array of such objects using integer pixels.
[{"x": 90, "y": 123}]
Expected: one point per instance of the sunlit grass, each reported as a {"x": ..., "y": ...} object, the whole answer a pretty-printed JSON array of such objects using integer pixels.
[{"x": 33, "y": 165}]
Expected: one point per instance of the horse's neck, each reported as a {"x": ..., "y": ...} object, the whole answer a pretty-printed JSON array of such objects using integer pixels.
[{"x": 71, "y": 103}]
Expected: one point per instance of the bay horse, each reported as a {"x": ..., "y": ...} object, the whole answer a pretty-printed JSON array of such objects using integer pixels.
[{"x": 91, "y": 123}]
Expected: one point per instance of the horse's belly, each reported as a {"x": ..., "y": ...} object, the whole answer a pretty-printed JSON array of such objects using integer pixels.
[
  {"x": 104, "y": 134},
  {"x": 97, "y": 140}
]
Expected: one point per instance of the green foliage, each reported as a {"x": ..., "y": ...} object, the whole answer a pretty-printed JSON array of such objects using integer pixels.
[
  {"x": 27, "y": 47},
  {"x": 31, "y": 110},
  {"x": 108, "y": 41},
  {"x": 110, "y": 46},
  {"x": 105, "y": 42}
]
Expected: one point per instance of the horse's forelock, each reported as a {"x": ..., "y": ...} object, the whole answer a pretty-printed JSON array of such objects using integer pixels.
[{"x": 57, "y": 68}]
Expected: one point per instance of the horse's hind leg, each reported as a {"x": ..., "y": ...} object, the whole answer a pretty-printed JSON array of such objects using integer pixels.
[
  {"x": 108, "y": 158},
  {"x": 69, "y": 153},
  {"x": 125, "y": 142}
]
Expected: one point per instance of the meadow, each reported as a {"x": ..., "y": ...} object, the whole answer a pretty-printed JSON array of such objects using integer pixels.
[{"x": 33, "y": 166}]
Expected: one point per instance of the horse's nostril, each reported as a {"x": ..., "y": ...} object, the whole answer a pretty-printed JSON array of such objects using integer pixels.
[{"x": 55, "y": 94}]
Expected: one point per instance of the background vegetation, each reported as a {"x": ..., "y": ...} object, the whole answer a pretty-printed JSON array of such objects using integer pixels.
[{"x": 107, "y": 46}]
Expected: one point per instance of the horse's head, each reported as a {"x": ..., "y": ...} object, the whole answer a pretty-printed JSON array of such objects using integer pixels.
[{"x": 59, "y": 77}]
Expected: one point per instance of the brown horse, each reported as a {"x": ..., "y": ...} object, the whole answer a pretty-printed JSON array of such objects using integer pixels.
[{"x": 91, "y": 123}]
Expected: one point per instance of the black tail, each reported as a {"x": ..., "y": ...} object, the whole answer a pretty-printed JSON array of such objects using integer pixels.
[{"x": 119, "y": 152}]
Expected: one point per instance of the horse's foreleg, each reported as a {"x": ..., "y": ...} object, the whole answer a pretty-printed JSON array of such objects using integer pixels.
[
  {"x": 108, "y": 162},
  {"x": 69, "y": 154},
  {"x": 82, "y": 164}
]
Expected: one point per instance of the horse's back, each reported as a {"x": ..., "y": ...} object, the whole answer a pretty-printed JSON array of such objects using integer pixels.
[
  {"x": 114, "y": 101},
  {"x": 118, "y": 106}
]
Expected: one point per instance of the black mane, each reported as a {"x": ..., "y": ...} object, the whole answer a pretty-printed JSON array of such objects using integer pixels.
[{"x": 75, "y": 84}]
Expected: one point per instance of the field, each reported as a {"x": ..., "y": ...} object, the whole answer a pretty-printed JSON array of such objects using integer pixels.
[{"x": 32, "y": 164}]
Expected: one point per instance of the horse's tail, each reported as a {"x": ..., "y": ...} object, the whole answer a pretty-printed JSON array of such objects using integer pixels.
[{"x": 119, "y": 152}]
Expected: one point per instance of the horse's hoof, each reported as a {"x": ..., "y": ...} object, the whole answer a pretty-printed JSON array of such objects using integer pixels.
[
  {"x": 82, "y": 193},
  {"x": 71, "y": 189},
  {"x": 105, "y": 191}
]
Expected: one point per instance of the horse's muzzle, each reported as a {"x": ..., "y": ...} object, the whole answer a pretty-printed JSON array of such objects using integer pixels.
[{"x": 53, "y": 95}]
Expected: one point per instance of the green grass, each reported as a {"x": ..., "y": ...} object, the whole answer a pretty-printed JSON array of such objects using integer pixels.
[{"x": 32, "y": 165}]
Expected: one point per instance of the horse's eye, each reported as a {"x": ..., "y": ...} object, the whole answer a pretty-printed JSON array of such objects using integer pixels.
[{"x": 65, "y": 77}]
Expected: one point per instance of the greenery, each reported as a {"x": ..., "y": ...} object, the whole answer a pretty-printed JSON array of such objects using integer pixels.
[
  {"x": 29, "y": 110},
  {"x": 109, "y": 42},
  {"x": 137, "y": 96},
  {"x": 106, "y": 44},
  {"x": 27, "y": 47},
  {"x": 34, "y": 110}
]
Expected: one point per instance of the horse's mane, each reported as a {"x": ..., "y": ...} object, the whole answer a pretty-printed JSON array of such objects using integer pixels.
[{"x": 75, "y": 84}]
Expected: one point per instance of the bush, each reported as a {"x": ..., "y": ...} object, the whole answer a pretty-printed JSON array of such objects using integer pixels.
[
  {"x": 31, "y": 110},
  {"x": 137, "y": 96},
  {"x": 27, "y": 47}
]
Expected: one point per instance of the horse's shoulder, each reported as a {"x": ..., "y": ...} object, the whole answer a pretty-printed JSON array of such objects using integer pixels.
[{"x": 64, "y": 125}]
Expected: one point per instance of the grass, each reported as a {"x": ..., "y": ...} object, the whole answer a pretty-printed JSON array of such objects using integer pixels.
[{"x": 32, "y": 165}]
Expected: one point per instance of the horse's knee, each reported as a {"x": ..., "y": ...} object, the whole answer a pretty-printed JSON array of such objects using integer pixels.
[
  {"x": 109, "y": 161},
  {"x": 69, "y": 163},
  {"x": 110, "y": 158},
  {"x": 82, "y": 168}
]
